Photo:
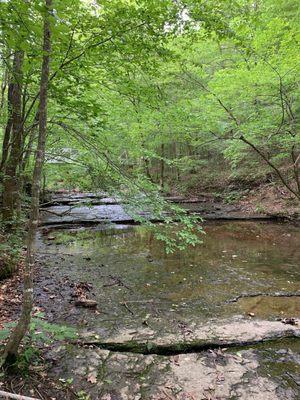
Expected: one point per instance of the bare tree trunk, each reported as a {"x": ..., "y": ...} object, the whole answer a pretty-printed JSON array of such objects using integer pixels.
[
  {"x": 295, "y": 160},
  {"x": 28, "y": 148},
  {"x": 273, "y": 166},
  {"x": 3, "y": 86},
  {"x": 10, "y": 181},
  {"x": 7, "y": 132},
  {"x": 147, "y": 168},
  {"x": 11, "y": 349},
  {"x": 176, "y": 153},
  {"x": 162, "y": 168}
]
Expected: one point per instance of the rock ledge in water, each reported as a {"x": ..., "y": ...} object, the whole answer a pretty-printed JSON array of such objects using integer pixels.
[{"x": 230, "y": 334}]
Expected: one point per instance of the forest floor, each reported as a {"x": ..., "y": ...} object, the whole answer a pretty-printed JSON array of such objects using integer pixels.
[
  {"x": 264, "y": 198},
  {"x": 197, "y": 326},
  {"x": 270, "y": 199}
]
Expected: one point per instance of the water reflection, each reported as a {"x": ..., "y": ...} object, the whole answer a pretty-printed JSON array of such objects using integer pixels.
[{"x": 235, "y": 258}]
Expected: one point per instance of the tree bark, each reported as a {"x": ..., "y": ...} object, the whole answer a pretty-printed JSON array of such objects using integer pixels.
[
  {"x": 295, "y": 160},
  {"x": 273, "y": 166},
  {"x": 11, "y": 349},
  {"x": 28, "y": 147},
  {"x": 147, "y": 168},
  {"x": 10, "y": 180},
  {"x": 3, "y": 86},
  {"x": 7, "y": 132},
  {"x": 162, "y": 168}
]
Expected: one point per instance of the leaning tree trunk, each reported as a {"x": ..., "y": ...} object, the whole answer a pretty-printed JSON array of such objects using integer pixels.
[{"x": 11, "y": 349}]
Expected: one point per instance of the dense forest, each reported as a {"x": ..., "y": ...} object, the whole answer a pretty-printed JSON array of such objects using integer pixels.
[{"x": 168, "y": 113}]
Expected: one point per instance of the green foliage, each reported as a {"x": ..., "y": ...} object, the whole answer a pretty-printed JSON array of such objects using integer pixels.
[
  {"x": 41, "y": 331},
  {"x": 29, "y": 356},
  {"x": 10, "y": 251},
  {"x": 232, "y": 196},
  {"x": 82, "y": 395},
  {"x": 149, "y": 96}
]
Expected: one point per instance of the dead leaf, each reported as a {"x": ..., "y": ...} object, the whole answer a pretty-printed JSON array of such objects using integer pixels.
[{"x": 92, "y": 377}]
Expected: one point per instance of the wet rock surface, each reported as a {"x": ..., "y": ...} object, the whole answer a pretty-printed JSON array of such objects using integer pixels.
[
  {"x": 91, "y": 209},
  {"x": 231, "y": 333},
  {"x": 257, "y": 374},
  {"x": 200, "y": 324}
]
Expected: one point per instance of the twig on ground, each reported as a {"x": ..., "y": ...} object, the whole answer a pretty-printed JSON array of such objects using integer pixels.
[{"x": 127, "y": 308}]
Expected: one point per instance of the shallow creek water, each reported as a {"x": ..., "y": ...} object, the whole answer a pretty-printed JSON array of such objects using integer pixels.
[
  {"x": 243, "y": 274},
  {"x": 127, "y": 264}
]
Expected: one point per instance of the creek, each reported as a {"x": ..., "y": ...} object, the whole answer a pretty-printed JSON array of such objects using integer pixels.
[{"x": 232, "y": 291}]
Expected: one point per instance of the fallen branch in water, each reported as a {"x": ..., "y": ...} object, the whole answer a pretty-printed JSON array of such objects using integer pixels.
[
  {"x": 127, "y": 308},
  {"x": 249, "y": 295},
  {"x": 116, "y": 282},
  {"x": 297, "y": 382}
]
